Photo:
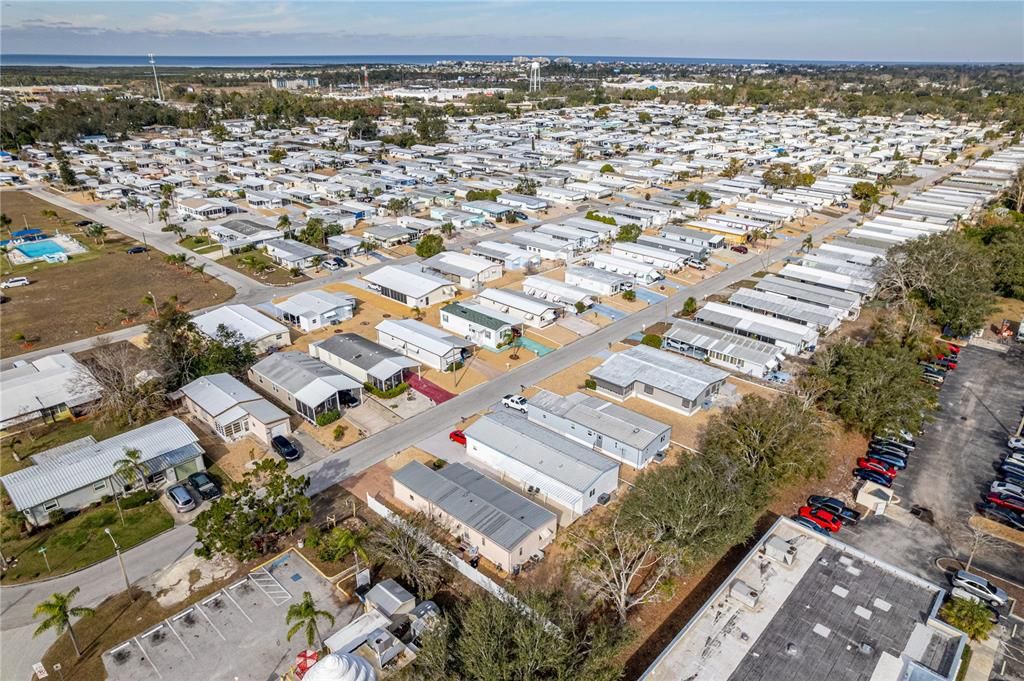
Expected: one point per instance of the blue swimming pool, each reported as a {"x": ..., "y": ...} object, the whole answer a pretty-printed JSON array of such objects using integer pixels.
[{"x": 40, "y": 249}]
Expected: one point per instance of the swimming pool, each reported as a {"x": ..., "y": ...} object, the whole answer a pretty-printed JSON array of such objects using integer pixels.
[{"x": 40, "y": 249}]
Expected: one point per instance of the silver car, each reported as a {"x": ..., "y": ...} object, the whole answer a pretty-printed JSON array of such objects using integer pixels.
[
  {"x": 980, "y": 587},
  {"x": 181, "y": 498}
]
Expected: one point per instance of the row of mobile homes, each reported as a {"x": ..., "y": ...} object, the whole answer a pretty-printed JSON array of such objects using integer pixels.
[
  {"x": 844, "y": 303},
  {"x": 781, "y": 307},
  {"x": 599, "y": 282},
  {"x": 642, "y": 273},
  {"x": 649, "y": 255},
  {"x": 423, "y": 343},
  {"x": 555, "y": 291},
  {"x": 525, "y": 309},
  {"x": 792, "y": 337},
  {"x": 481, "y": 325}
]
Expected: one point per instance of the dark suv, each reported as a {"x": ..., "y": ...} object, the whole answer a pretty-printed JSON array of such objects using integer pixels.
[
  {"x": 284, "y": 447},
  {"x": 205, "y": 486}
]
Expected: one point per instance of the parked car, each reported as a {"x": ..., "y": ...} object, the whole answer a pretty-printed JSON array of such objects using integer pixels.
[
  {"x": 1015, "y": 458},
  {"x": 347, "y": 399},
  {"x": 872, "y": 476},
  {"x": 740, "y": 249},
  {"x": 888, "y": 449},
  {"x": 1016, "y": 443},
  {"x": 871, "y": 464},
  {"x": 135, "y": 250},
  {"x": 284, "y": 447},
  {"x": 891, "y": 442},
  {"x": 945, "y": 362},
  {"x": 933, "y": 378},
  {"x": 330, "y": 265},
  {"x": 205, "y": 486},
  {"x": 955, "y": 349},
  {"x": 893, "y": 460},
  {"x": 1009, "y": 501},
  {"x": 979, "y": 586},
  {"x": 1002, "y": 515},
  {"x": 83, "y": 223},
  {"x": 15, "y": 282},
  {"x": 834, "y": 506},
  {"x": 520, "y": 215},
  {"x": 696, "y": 264},
  {"x": 181, "y": 498},
  {"x": 1003, "y": 487},
  {"x": 517, "y": 402},
  {"x": 821, "y": 517},
  {"x": 458, "y": 437},
  {"x": 809, "y": 524}
]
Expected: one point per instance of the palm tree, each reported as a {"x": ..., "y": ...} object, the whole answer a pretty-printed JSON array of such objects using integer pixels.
[
  {"x": 130, "y": 468},
  {"x": 284, "y": 224},
  {"x": 808, "y": 243},
  {"x": 305, "y": 617},
  {"x": 5, "y": 222},
  {"x": 59, "y": 611},
  {"x": 757, "y": 235}
]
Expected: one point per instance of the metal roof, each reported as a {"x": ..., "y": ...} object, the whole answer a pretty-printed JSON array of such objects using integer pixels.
[
  {"x": 610, "y": 420},
  {"x": 314, "y": 303},
  {"x": 368, "y": 355},
  {"x": 246, "y": 321},
  {"x": 541, "y": 450},
  {"x": 498, "y": 513},
  {"x": 735, "y": 318},
  {"x": 217, "y": 393},
  {"x": 45, "y": 382},
  {"x": 408, "y": 279},
  {"x": 710, "y": 339},
  {"x": 73, "y": 468},
  {"x": 479, "y": 315},
  {"x": 663, "y": 370},
  {"x": 306, "y": 378},
  {"x": 423, "y": 336}
]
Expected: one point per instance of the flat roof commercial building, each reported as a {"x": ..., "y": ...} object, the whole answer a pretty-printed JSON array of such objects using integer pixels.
[{"x": 803, "y": 606}]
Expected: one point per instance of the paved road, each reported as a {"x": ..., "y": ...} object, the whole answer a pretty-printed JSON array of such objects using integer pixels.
[
  {"x": 19, "y": 649},
  {"x": 16, "y": 603}
]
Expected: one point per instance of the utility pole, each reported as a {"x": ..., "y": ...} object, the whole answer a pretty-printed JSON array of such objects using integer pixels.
[
  {"x": 156, "y": 80},
  {"x": 42, "y": 550},
  {"x": 120, "y": 559}
]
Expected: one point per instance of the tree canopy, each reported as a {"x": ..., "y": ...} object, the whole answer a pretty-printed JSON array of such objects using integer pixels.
[{"x": 430, "y": 245}]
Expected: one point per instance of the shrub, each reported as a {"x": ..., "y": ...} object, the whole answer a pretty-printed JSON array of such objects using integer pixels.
[
  {"x": 386, "y": 394},
  {"x": 313, "y": 536},
  {"x": 140, "y": 498},
  {"x": 338, "y": 544},
  {"x": 590, "y": 384},
  {"x": 455, "y": 366},
  {"x": 629, "y": 295},
  {"x": 689, "y": 307},
  {"x": 339, "y": 432},
  {"x": 438, "y": 464},
  {"x": 580, "y": 308},
  {"x": 651, "y": 340},
  {"x": 328, "y": 417},
  {"x": 106, "y": 499},
  {"x": 56, "y": 516}
]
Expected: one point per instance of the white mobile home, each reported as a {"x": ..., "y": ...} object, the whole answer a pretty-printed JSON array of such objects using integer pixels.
[
  {"x": 555, "y": 469},
  {"x": 525, "y": 309},
  {"x": 556, "y": 291},
  {"x": 410, "y": 285},
  {"x": 729, "y": 350},
  {"x": 642, "y": 273},
  {"x": 481, "y": 325},
  {"x": 792, "y": 337},
  {"x": 597, "y": 281},
  {"x": 433, "y": 347},
  {"x": 649, "y": 255}
]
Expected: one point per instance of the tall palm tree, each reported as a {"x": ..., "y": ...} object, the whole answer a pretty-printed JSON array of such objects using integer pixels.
[
  {"x": 305, "y": 616},
  {"x": 808, "y": 243},
  {"x": 59, "y": 611},
  {"x": 130, "y": 468}
]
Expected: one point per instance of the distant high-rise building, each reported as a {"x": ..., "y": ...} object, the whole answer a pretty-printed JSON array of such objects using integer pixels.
[{"x": 563, "y": 61}]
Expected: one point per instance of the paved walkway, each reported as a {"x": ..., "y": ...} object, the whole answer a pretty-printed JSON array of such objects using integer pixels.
[{"x": 428, "y": 389}]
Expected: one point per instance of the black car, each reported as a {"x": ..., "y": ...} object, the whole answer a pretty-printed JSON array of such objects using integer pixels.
[
  {"x": 1002, "y": 515},
  {"x": 285, "y": 448},
  {"x": 347, "y": 399},
  {"x": 872, "y": 476},
  {"x": 834, "y": 506},
  {"x": 83, "y": 223},
  {"x": 135, "y": 250},
  {"x": 520, "y": 215},
  {"x": 205, "y": 486}
]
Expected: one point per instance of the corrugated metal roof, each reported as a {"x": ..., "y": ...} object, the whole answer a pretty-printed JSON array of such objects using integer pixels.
[
  {"x": 498, "y": 513},
  {"x": 46, "y": 382},
  {"x": 252, "y": 325},
  {"x": 72, "y": 469},
  {"x": 610, "y": 420},
  {"x": 424, "y": 336},
  {"x": 663, "y": 370},
  {"x": 407, "y": 279},
  {"x": 541, "y": 450}
]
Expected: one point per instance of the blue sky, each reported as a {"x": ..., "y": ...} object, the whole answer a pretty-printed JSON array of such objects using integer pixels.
[{"x": 883, "y": 30}]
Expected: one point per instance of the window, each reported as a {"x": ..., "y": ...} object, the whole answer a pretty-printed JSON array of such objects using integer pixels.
[
  {"x": 648, "y": 389},
  {"x": 102, "y": 484},
  {"x": 592, "y": 492},
  {"x": 51, "y": 505}
]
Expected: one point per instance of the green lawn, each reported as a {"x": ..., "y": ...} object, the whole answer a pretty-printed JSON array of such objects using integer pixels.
[
  {"x": 199, "y": 244},
  {"x": 81, "y": 541},
  {"x": 43, "y": 437},
  {"x": 249, "y": 264}
]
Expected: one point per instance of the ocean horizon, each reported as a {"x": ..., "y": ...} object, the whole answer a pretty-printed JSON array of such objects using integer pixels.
[{"x": 305, "y": 61}]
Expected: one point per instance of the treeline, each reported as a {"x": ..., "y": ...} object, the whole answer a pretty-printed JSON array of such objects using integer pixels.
[{"x": 72, "y": 117}]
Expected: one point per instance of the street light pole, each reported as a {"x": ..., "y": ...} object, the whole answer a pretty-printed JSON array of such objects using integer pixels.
[{"x": 120, "y": 559}]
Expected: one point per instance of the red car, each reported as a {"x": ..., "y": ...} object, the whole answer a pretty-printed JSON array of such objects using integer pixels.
[
  {"x": 457, "y": 436},
  {"x": 955, "y": 349},
  {"x": 821, "y": 518},
  {"x": 1009, "y": 501},
  {"x": 739, "y": 249},
  {"x": 877, "y": 466}
]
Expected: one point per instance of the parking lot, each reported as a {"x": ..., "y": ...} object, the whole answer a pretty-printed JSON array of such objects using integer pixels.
[{"x": 238, "y": 632}]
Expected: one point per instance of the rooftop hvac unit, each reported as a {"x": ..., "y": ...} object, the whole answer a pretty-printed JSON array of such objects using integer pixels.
[
  {"x": 778, "y": 549},
  {"x": 744, "y": 593}
]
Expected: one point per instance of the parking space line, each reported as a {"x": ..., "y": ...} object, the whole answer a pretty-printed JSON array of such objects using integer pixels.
[
  {"x": 178, "y": 636},
  {"x": 145, "y": 656},
  {"x": 207, "y": 618},
  {"x": 244, "y": 614}
]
